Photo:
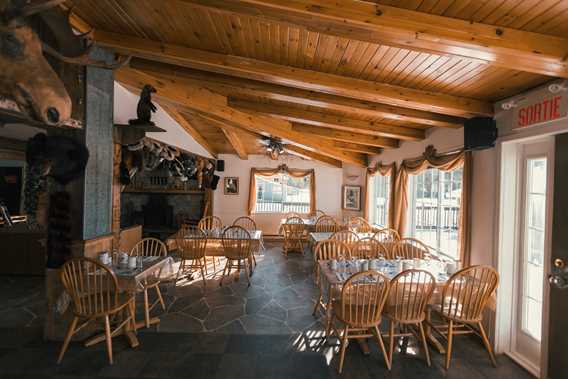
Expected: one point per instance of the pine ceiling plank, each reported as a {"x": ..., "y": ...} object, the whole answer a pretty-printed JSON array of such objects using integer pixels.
[
  {"x": 294, "y": 114},
  {"x": 297, "y": 150},
  {"x": 342, "y": 135},
  {"x": 538, "y": 53},
  {"x": 349, "y": 146},
  {"x": 305, "y": 79}
]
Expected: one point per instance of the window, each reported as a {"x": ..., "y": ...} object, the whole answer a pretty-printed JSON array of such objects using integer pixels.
[
  {"x": 379, "y": 200},
  {"x": 282, "y": 193},
  {"x": 434, "y": 209}
]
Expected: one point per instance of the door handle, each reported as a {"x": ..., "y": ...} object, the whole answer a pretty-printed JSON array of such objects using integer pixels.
[{"x": 559, "y": 276}]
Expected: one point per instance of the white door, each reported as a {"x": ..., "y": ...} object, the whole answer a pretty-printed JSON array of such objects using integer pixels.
[{"x": 532, "y": 254}]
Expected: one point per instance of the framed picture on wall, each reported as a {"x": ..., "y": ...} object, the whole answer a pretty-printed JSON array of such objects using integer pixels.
[
  {"x": 352, "y": 198},
  {"x": 231, "y": 186}
]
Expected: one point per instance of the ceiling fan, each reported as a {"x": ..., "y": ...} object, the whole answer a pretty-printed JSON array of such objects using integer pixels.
[{"x": 274, "y": 147}]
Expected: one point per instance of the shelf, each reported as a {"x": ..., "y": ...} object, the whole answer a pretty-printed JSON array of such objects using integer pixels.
[{"x": 165, "y": 191}]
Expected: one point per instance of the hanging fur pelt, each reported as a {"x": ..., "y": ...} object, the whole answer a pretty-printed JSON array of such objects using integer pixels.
[{"x": 59, "y": 229}]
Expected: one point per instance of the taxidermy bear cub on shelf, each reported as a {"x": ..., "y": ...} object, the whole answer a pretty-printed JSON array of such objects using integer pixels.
[{"x": 145, "y": 107}]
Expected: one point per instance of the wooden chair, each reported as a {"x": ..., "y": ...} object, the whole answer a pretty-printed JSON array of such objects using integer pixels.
[
  {"x": 250, "y": 225},
  {"x": 326, "y": 224},
  {"x": 327, "y": 250},
  {"x": 368, "y": 248},
  {"x": 211, "y": 224},
  {"x": 94, "y": 292},
  {"x": 347, "y": 236},
  {"x": 464, "y": 298},
  {"x": 410, "y": 293},
  {"x": 293, "y": 214},
  {"x": 411, "y": 248},
  {"x": 150, "y": 247},
  {"x": 360, "y": 225},
  {"x": 237, "y": 246},
  {"x": 360, "y": 309},
  {"x": 294, "y": 237},
  {"x": 388, "y": 238},
  {"x": 192, "y": 246}
]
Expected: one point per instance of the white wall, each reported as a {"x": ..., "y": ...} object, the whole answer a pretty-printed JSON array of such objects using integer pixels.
[
  {"x": 228, "y": 207},
  {"x": 125, "y": 103}
]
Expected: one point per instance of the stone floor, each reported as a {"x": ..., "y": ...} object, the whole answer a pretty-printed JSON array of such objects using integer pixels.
[{"x": 262, "y": 331}]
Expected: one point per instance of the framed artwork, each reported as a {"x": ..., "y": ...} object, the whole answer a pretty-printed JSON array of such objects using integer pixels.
[
  {"x": 231, "y": 186},
  {"x": 352, "y": 198}
]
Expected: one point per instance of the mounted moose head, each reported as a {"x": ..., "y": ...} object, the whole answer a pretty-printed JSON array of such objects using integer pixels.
[{"x": 26, "y": 76}]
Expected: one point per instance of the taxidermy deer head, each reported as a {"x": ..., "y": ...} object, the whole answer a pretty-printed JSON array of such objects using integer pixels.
[{"x": 26, "y": 76}]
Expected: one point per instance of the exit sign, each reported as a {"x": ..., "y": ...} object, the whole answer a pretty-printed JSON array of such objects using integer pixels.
[{"x": 548, "y": 109}]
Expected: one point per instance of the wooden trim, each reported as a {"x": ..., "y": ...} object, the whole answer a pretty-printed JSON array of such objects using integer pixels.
[
  {"x": 215, "y": 107},
  {"x": 294, "y": 114},
  {"x": 366, "y": 21},
  {"x": 245, "y": 88},
  {"x": 293, "y": 77}
]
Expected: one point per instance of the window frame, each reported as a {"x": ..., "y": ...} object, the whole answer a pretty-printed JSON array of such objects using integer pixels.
[{"x": 373, "y": 204}]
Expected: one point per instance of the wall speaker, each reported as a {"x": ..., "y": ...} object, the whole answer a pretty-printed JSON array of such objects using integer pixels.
[
  {"x": 215, "y": 182},
  {"x": 220, "y": 165},
  {"x": 479, "y": 133}
]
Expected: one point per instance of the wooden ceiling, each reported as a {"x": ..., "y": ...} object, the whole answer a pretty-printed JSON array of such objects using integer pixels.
[{"x": 337, "y": 80}]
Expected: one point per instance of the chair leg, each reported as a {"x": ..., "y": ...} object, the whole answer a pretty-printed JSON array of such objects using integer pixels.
[
  {"x": 382, "y": 345},
  {"x": 108, "y": 339},
  {"x": 132, "y": 312},
  {"x": 343, "y": 348},
  {"x": 248, "y": 271},
  {"x": 224, "y": 270},
  {"x": 425, "y": 344},
  {"x": 146, "y": 308},
  {"x": 449, "y": 347},
  {"x": 487, "y": 343},
  {"x": 203, "y": 277},
  {"x": 160, "y": 298},
  {"x": 318, "y": 301},
  {"x": 329, "y": 324},
  {"x": 391, "y": 340},
  {"x": 67, "y": 338}
]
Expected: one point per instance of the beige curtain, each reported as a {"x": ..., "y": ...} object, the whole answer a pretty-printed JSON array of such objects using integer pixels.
[
  {"x": 296, "y": 173},
  {"x": 445, "y": 162},
  {"x": 383, "y": 170}
]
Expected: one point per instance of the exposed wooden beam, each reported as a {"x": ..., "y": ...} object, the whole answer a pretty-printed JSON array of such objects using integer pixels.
[
  {"x": 290, "y": 113},
  {"x": 206, "y": 102},
  {"x": 341, "y": 135},
  {"x": 245, "y": 88},
  {"x": 232, "y": 135},
  {"x": 188, "y": 127},
  {"x": 292, "y": 77},
  {"x": 358, "y": 148},
  {"x": 312, "y": 155},
  {"x": 382, "y": 24}
]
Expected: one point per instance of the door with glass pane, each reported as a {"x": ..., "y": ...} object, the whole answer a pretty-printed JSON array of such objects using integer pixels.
[{"x": 532, "y": 254}]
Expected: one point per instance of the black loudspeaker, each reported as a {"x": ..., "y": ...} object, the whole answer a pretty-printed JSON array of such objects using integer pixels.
[
  {"x": 215, "y": 182},
  {"x": 479, "y": 133},
  {"x": 220, "y": 165}
]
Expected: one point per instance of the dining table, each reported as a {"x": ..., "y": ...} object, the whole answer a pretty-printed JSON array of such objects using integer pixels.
[{"x": 333, "y": 274}]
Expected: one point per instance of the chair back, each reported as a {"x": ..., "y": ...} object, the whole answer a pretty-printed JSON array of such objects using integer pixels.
[
  {"x": 292, "y": 214},
  {"x": 360, "y": 225},
  {"x": 293, "y": 229},
  {"x": 210, "y": 223},
  {"x": 192, "y": 244},
  {"x": 331, "y": 249},
  {"x": 467, "y": 292},
  {"x": 347, "y": 236},
  {"x": 411, "y": 248},
  {"x": 386, "y": 235},
  {"x": 368, "y": 248},
  {"x": 362, "y": 299},
  {"x": 410, "y": 293},
  {"x": 93, "y": 287},
  {"x": 149, "y": 247},
  {"x": 319, "y": 213},
  {"x": 236, "y": 242},
  {"x": 326, "y": 224},
  {"x": 246, "y": 223}
]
